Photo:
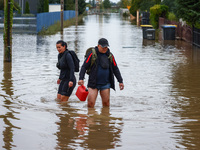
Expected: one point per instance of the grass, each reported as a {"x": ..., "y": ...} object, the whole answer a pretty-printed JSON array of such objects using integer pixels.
[{"x": 53, "y": 29}]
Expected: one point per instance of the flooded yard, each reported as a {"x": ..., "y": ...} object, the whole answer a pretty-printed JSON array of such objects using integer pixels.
[{"x": 158, "y": 109}]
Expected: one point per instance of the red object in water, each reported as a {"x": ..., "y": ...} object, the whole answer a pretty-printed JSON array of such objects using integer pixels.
[{"x": 82, "y": 93}]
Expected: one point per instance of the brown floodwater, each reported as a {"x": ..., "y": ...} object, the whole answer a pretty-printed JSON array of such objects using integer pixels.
[{"x": 158, "y": 109}]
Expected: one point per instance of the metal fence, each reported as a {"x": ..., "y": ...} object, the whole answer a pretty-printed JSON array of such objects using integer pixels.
[
  {"x": 44, "y": 20},
  {"x": 196, "y": 36},
  {"x": 34, "y": 25}
]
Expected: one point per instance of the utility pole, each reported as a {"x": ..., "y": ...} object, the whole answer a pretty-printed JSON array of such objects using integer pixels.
[
  {"x": 61, "y": 14},
  {"x": 8, "y": 9},
  {"x": 138, "y": 22},
  {"x": 76, "y": 9}
]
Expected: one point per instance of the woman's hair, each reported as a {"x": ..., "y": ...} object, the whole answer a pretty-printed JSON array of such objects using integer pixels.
[{"x": 62, "y": 43}]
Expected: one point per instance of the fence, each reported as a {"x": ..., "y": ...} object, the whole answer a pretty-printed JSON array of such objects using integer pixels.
[
  {"x": 34, "y": 25},
  {"x": 183, "y": 32},
  {"x": 196, "y": 36},
  {"x": 44, "y": 20}
]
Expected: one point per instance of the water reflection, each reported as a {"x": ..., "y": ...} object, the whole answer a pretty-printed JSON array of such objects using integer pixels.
[
  {"x": 106, "y": 127},
  {"x": 90, "y": 131},
  {"x": 185, "y": 89},
  {"x": 146, "y": 42},
  {"x": 66, "y": 133},
  {"x": 6, "y": 83},
  {"x": 8, "y": 116}
]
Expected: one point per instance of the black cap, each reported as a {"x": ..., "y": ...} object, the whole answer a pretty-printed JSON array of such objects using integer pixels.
[{"x": 103, "y": 42}]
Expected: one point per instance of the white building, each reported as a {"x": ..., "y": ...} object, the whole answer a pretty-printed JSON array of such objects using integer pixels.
[{"x": 54, "y": 7}]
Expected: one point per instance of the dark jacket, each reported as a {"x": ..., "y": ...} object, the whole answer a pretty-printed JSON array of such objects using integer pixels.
[
  {"x": 114, "y": 70},
  {"x": 66, "y": 66}
]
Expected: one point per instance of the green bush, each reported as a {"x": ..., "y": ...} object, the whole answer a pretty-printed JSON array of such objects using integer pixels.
[
  {"x": 197, "y": 25},
  {"x": 158, "y": 11},
  {"x": 172, "y": 17}
]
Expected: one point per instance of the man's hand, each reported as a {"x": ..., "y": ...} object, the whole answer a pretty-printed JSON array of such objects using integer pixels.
[
  {"x": 121, "y": 86},
  {"x": 80, "y": 82}
]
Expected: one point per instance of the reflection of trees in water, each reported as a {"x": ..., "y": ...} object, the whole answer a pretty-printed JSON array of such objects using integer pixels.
[
  {"x": 185, "y": 89},
  {"x": 7, "y": 87},
  {"x": 92, "y": 130}
]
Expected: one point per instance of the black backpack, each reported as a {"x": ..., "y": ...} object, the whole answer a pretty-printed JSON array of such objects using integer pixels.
[
  {"x": 75, "y": 59},
  {"x": 94, "y": 57}
]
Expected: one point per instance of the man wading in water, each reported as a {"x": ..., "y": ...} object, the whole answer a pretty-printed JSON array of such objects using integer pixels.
[{"x": 101, "y": 75}]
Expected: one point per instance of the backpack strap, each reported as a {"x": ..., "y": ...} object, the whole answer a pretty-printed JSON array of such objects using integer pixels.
[
  {"x": 110, "y": 57},
  {"x": 93, "y": 59},
  {"x": 94, "y": 56}
]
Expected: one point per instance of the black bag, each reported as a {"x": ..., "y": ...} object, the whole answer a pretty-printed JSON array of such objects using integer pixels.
[{"x": 76, "y": 60}]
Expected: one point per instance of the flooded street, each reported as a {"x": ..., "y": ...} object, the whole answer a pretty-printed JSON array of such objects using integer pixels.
[{"x": 159, "y": 109}]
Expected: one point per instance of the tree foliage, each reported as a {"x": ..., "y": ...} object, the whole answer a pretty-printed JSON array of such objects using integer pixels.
[
  {"x": 142, "y": 5},
  {"x": 54, "y": 1},
  {"x": 43, "y": 6},
  {"x": 158, "y": 11},
  {"x": 27, "y": 8},
  {"x": 188, "y": 10},
  {"x": 170, "y": 4},
  {"x": 15, "y": 6},
  {"x": 125, "y": 3},
  {"x": 81, "y": 6},
  {"x": 69, "y": 4},
  {"x": 106, "y": 4}
]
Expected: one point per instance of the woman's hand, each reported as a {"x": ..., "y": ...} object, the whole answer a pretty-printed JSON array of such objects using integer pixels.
[
  {"x": 70, "y": 83},
  {"x": 58, "y": 81}
]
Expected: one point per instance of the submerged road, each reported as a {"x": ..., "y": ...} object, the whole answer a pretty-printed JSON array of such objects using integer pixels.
[{"x": 158, "y": 109}]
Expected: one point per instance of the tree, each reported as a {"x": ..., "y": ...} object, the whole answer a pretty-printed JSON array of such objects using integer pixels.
[
  {"x": 106, "y": 4},
  {"x": 69, "y": 4},
  {"x": 125, "y": 3},
  {"x": 135, "y": 5},
  {"x": 145, "y": 5},
  {"x": 158, "y": 11},
  {"x": 188, "y": 10},
  {"x": 54, "y": 1},
  {"x": 81, "y": 6},
  {"x": 1, "y": 4},
  {"x": 16, "y": 6},
  {"x": 27, "y": 9},
  {"x": 46, "y": 5},
  {"x": 170, "y": 4},
  {"x": 43, "y": 6}
]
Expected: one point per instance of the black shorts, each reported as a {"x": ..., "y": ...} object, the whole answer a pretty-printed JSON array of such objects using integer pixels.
[{"x": 64, "y": 87}]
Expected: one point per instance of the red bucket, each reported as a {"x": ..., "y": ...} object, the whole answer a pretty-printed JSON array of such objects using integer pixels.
[{"x": 82, "y": 92}]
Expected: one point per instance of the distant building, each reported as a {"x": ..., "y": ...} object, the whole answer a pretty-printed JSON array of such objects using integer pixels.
[
  {"x": 33, "y": 4},
  {"x": 54, "y": 7}
]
